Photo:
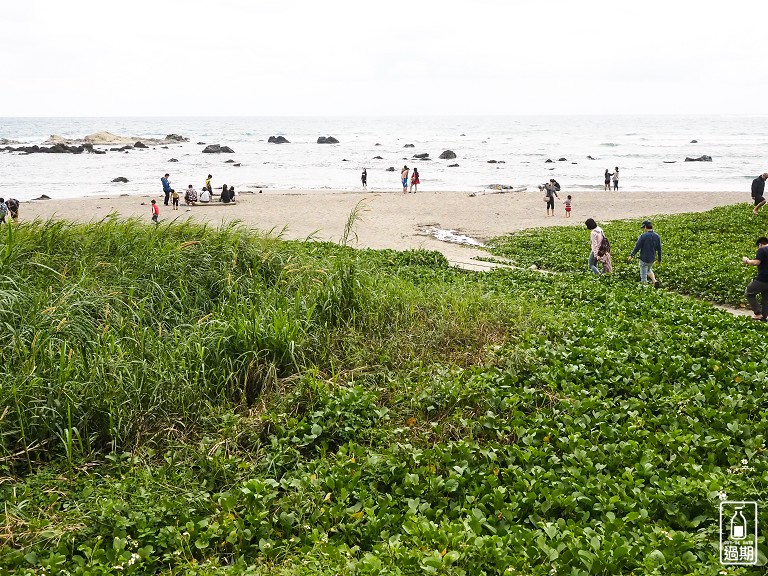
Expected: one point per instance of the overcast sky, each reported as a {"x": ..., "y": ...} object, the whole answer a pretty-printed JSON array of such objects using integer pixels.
[{"x": 395, "y": 57}]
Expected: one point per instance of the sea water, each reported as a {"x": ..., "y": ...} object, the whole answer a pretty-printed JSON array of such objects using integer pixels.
[{"x": 650, "y": 152}]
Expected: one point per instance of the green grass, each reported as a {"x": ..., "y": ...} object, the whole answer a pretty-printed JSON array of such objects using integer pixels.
[{"x": 249, "y": 405}]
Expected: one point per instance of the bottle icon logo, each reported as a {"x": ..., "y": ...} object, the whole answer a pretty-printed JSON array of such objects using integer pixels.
[
  {"x": 738, "y": 533},
  {"x": 738, "y": 524}
]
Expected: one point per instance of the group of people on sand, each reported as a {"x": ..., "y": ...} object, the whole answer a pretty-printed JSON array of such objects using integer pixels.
[
  {"x": 191, "y": 197},
  {"x": 414, "y": 179},
  {"x": 9, "y": 207}
]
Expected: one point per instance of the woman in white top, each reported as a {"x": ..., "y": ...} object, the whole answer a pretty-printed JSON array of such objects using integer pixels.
[
  {"x": 205, "y": 196},
  {"x": 616, "y": 178}
]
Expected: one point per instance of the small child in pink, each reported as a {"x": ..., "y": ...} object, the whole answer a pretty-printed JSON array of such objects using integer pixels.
[
  {"x": 155, "y": 211},
  {"x": 567, "y": 203}
]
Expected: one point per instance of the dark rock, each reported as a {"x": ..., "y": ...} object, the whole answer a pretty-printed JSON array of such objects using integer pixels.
[
  {"x": 164, "y": 147},
  {"x": 492, "y": 162},
  {"x": 694, "y": 141},
  {"x": 461, "y": 135},
  {"x": 103, "y": 151},
  {"x": 344, "y": 160},
  {"x": 669, "y": 161},
  {"x": 140, "y": 145},
  {"x": 120, "y": 179},
  {"x": 425, "y": 159},
  {"x": 227, "y": 150},
  {"x": 176, "y": 138},
  {"x": 422, "y": 155},
  {"x": 590, "y": 158},
  {"x": 453, "y": 165},
  {"x": 115, "y": 149},
  {"x": 501, "y": 162},
  {"x": 574, "y": 162},
  {"x": 88, "y": 147},
  {"x": 212, "y": 149},
  {"x": 562, "y": 159},
  {"x": 703, "y": 158},
  {"x": 278, "y": 140},
  {"x": 409, "y": 146},
  {"x": 549, "y": 161},
  {"x": 173, "y": 160},
  {"x": 447, "y": 155},
  {"x": 378, "y": 158},
  {"x": 391, "y": 169},
  {"x": 377, "y": 144},
  {"x": 201, "y": 143},
  {"x": 42, "y": 197},
  {"x": 230, "y": 161},
  {"x": 327, "y": 140},
  {"x": 236, "y": 164}
]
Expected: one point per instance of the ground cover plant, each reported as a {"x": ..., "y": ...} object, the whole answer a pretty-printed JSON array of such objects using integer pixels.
[
  {"x": 190, "y": 400},
  {"x": 701, "y": 251}
]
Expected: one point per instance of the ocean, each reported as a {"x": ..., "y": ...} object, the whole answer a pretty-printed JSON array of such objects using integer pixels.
[{"x": 649, "y": 151}]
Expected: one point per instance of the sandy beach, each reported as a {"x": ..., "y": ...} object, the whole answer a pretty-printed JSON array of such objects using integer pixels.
[{"x": 393, "y": 220}]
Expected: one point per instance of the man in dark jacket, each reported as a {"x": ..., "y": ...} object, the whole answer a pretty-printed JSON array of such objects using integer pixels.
[
  {"x": 758, "y": 192},
  {"x": 649, "y": 245}
]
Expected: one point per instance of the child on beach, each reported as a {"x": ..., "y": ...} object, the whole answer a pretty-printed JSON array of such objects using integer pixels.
[
  {"x": 155, "y": 211},
  {"x": 175, "y": 198},
  {"x": 567, "y": 203}
]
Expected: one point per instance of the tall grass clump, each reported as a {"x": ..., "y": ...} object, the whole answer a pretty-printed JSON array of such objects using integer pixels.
[{"x": 117, "y": 333}]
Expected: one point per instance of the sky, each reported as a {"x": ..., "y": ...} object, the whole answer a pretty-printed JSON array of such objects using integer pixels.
[{"x": 391, "y": 58}]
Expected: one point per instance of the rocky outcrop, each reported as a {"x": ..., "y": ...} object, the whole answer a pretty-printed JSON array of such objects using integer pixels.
[
  {"x": 173, "y": 160},
  {"x": 230, "y": 161},
  {"x": 562, "y": 159},
  {"x": 378, "y": 158},
  {"x": 120, "y": 179},
  {"x": 176, "y": 138},
  {"x": 278, "y": 140},
  {"x": 453, "y": 165},
  {"x": 391, "y": 169},
  {"x": 590, "y": 158},
  {"x": 421, "y": 156},
  {"x": 447, "y": 155},
  {"x": 42, "y": 197},
  {"x": 217, "y": 149},
  {"x": 55, "y": 149},
  {"x": 409, "y": 146},
  {"x": 548, "y": 161},
  {"x": 694, "y": 141},
  {"x": 492, "y": 162},
  {"x": 140, "y": 144},
  {"x": 703, "y": 158},
  {"x": 327, "y": 140}
]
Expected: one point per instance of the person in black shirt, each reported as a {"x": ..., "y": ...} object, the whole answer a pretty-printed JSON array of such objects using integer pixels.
[
  {"x": 758, "y": 192},
  {"x": 760, "y": 284}
]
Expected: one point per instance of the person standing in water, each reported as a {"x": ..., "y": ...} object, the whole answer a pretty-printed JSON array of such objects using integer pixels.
[
  {"x": 616, "y": 178},
  {"x": 364, "y": 178},
  {"x": 607, "y": 180},
  {"x": 404, "y": 177},
  {"x": 415, "y": 180}
]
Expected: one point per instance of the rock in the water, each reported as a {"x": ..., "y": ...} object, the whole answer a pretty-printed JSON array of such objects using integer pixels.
[
  {"x": 462, "y": 134},
  {"x": 378, "y": 158},
  {"x": 492, "y": 162},
  {"x": 703, "y": 158},
  {"x": 173, "y": 160},
  {"x": 278, "y": 140},
  {"x": 230, "y": 161},
  {"x": 164, "y": 147},
  {"x": 212, "y": 149},
  {"x": 327, "y": 140},
  {"x": 227, "y": 150},
  {"x": 694, "y": 141},
  {"x": 42, "y": 197},
  {"x": 201, "y": 143},
  {"x": 120, "y": 179},
  {"x": 421, "y": 156},
  {"x": 669, "y": 161},
  {"x": 176, "y": 138},
  {"x": 590, "y": 158},
  {"x": 236, "y": 164},
  {"x": 447, "y": 155},
  {"x": 453, "y": 165},
  {"x": 391, "y": 169},
  {"x": 140, "y": 144},
  {"x": 103, "y": 151},
  {"x": 549, "y": 161},
  {"x": 409, "y": 146},
  {"x": 562, "y": 159},
  {"x": 377, "y": 144}
]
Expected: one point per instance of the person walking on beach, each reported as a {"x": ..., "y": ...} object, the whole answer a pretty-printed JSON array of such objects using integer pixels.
[
  {"x": 364, "y": 178},
  {"x": 758, "y": 192},
  {"x": 649, "y": 246},
  {"x": 567, "y": 203},
  {"x": 550, "y": 192},
  {"x": 607, "y": 180},
  {"x": 155, "y": 211},
  {"x": 415, "y": 180},
  {"x": 616, "y": 178},
  {"x": 760, "y": 283},
  {"x": 601, "y": 248},
  {"x": 166, "y": 187},
  {"x": 175, "y": 199},
  {"x": 404, "y": 178}
]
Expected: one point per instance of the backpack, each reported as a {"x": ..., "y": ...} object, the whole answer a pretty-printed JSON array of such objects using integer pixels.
[
  {"x": 604, "y": 248},
  {"x": 557, "y": 187}
]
